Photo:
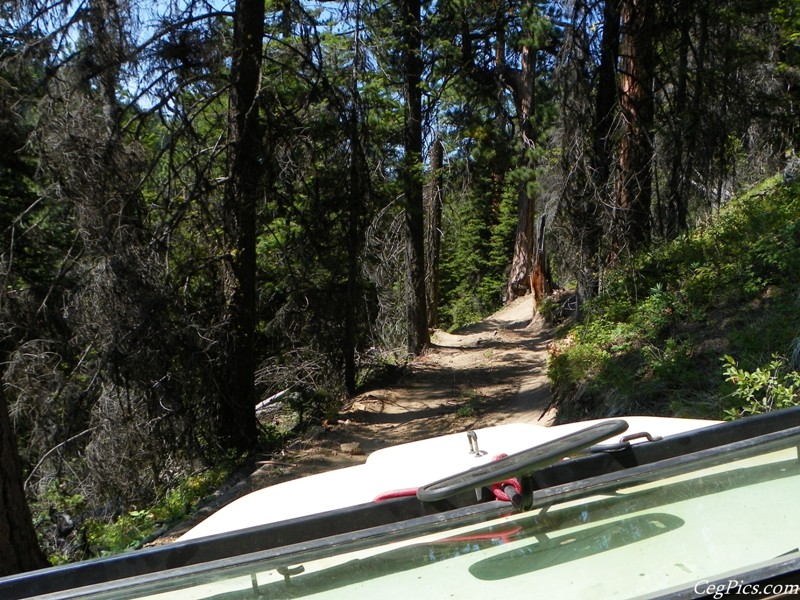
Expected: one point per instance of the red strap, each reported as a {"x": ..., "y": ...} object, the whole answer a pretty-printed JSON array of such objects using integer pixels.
[
  {"x": 498, "y": 489},
  {"x": 395, "y": 494}
]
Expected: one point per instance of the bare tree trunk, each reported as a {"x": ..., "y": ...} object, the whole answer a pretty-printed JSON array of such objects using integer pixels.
[
  {"x": 416, "y": 309},
  {"x": 541, "y": 281},
  {"x": 19, "y": 548},
  {"x": 236, "y": 376},
  {"x": 606, "y": 98},
  {"x": 605, "y": 105},
  {"x": 523, "y": 83},
  {"x": 631, "y": 226},
  {"x": 358, "y": 191},
  {"x": 677, "y": 205},
  {"x": 357, "y": 199},
  {"x": 433, "y": 230}
]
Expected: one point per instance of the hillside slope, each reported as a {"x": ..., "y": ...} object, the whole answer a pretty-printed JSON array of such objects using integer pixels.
[{"x": 678, "y": 331}]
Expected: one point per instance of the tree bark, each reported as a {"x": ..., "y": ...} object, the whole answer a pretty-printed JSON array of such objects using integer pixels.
[
  {"x": 236, "y": 377},
  {"x": 433, "y": 230},
  {"x": 677, "y": 205},
  {"x": 416, "y": 308},
  {"x": 631, "y": 227},
  {"x": 356, "y": 202},
  {"x": 523, "y": 85},
  {"x": 605, "y": 105},
  {"x": 358, "y": 190},
  {"x": 606, "y": 98},
  {"x": 541, "y": 281},
  {"x": 19, "y": 548}
]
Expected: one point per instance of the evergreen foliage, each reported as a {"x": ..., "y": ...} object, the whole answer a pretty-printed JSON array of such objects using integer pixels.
[{"x": 478, "y": 234}]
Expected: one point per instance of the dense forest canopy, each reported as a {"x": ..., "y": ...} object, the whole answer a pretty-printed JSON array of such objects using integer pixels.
[{"x": 207, "y": 204}]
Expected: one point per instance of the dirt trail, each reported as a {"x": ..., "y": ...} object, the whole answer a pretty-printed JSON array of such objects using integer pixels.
[{"x": 486, "y": 374}]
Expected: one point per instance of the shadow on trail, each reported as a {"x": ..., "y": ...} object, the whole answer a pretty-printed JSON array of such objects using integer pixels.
[{"x": 468, "y": 390}]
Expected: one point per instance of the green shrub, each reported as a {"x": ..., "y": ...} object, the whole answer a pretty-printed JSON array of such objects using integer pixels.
[
  {"x": 764, "y": 389},
  {"x": 668, "y": 362},
  {"x": 124, "y": 533},
  {"x": 577, "y": 363},
  {"x": 130, "y": 530}
]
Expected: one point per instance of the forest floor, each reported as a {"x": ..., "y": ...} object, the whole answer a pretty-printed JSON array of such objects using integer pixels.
[{"x": 486, "y": 374}]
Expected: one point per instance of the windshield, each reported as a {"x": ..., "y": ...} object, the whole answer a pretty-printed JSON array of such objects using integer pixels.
[{"x": 646, "y": 531}]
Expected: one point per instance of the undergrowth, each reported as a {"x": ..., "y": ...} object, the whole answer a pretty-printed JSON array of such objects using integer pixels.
[
  {"x": 130, "y": 530},
  {"x": 102, "y": 535},
  {"x": 676, "y": 330}
]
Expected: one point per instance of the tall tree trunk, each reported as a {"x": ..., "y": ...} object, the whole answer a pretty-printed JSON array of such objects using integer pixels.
[
  {"x": 416, "y": 308},
  {"x": 606, "y": 99},
  {"x": 19, "y": 548},
  {"x": 677, "y": 206},
  {"x": 433, "y": 230},
  {"x": 523, "y": 82},
  {"x": 605, "y": 104},
  {"x": 631, "y": 226},
  {"x": 357, "y": 193},
  {"x": 236, "y": 377},
  {"x": 357, "y": 199}
]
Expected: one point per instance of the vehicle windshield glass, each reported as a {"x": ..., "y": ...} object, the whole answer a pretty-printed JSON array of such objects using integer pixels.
[{"x": 640, "y": 532}]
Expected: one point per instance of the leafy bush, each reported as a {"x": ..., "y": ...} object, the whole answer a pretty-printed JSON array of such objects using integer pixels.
[
  {"x": 577, "y": 363},
  {"x": 124, "y": 533},
  {"x": 130, "y": 530},
  {"x": 764, "y": 389}
]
